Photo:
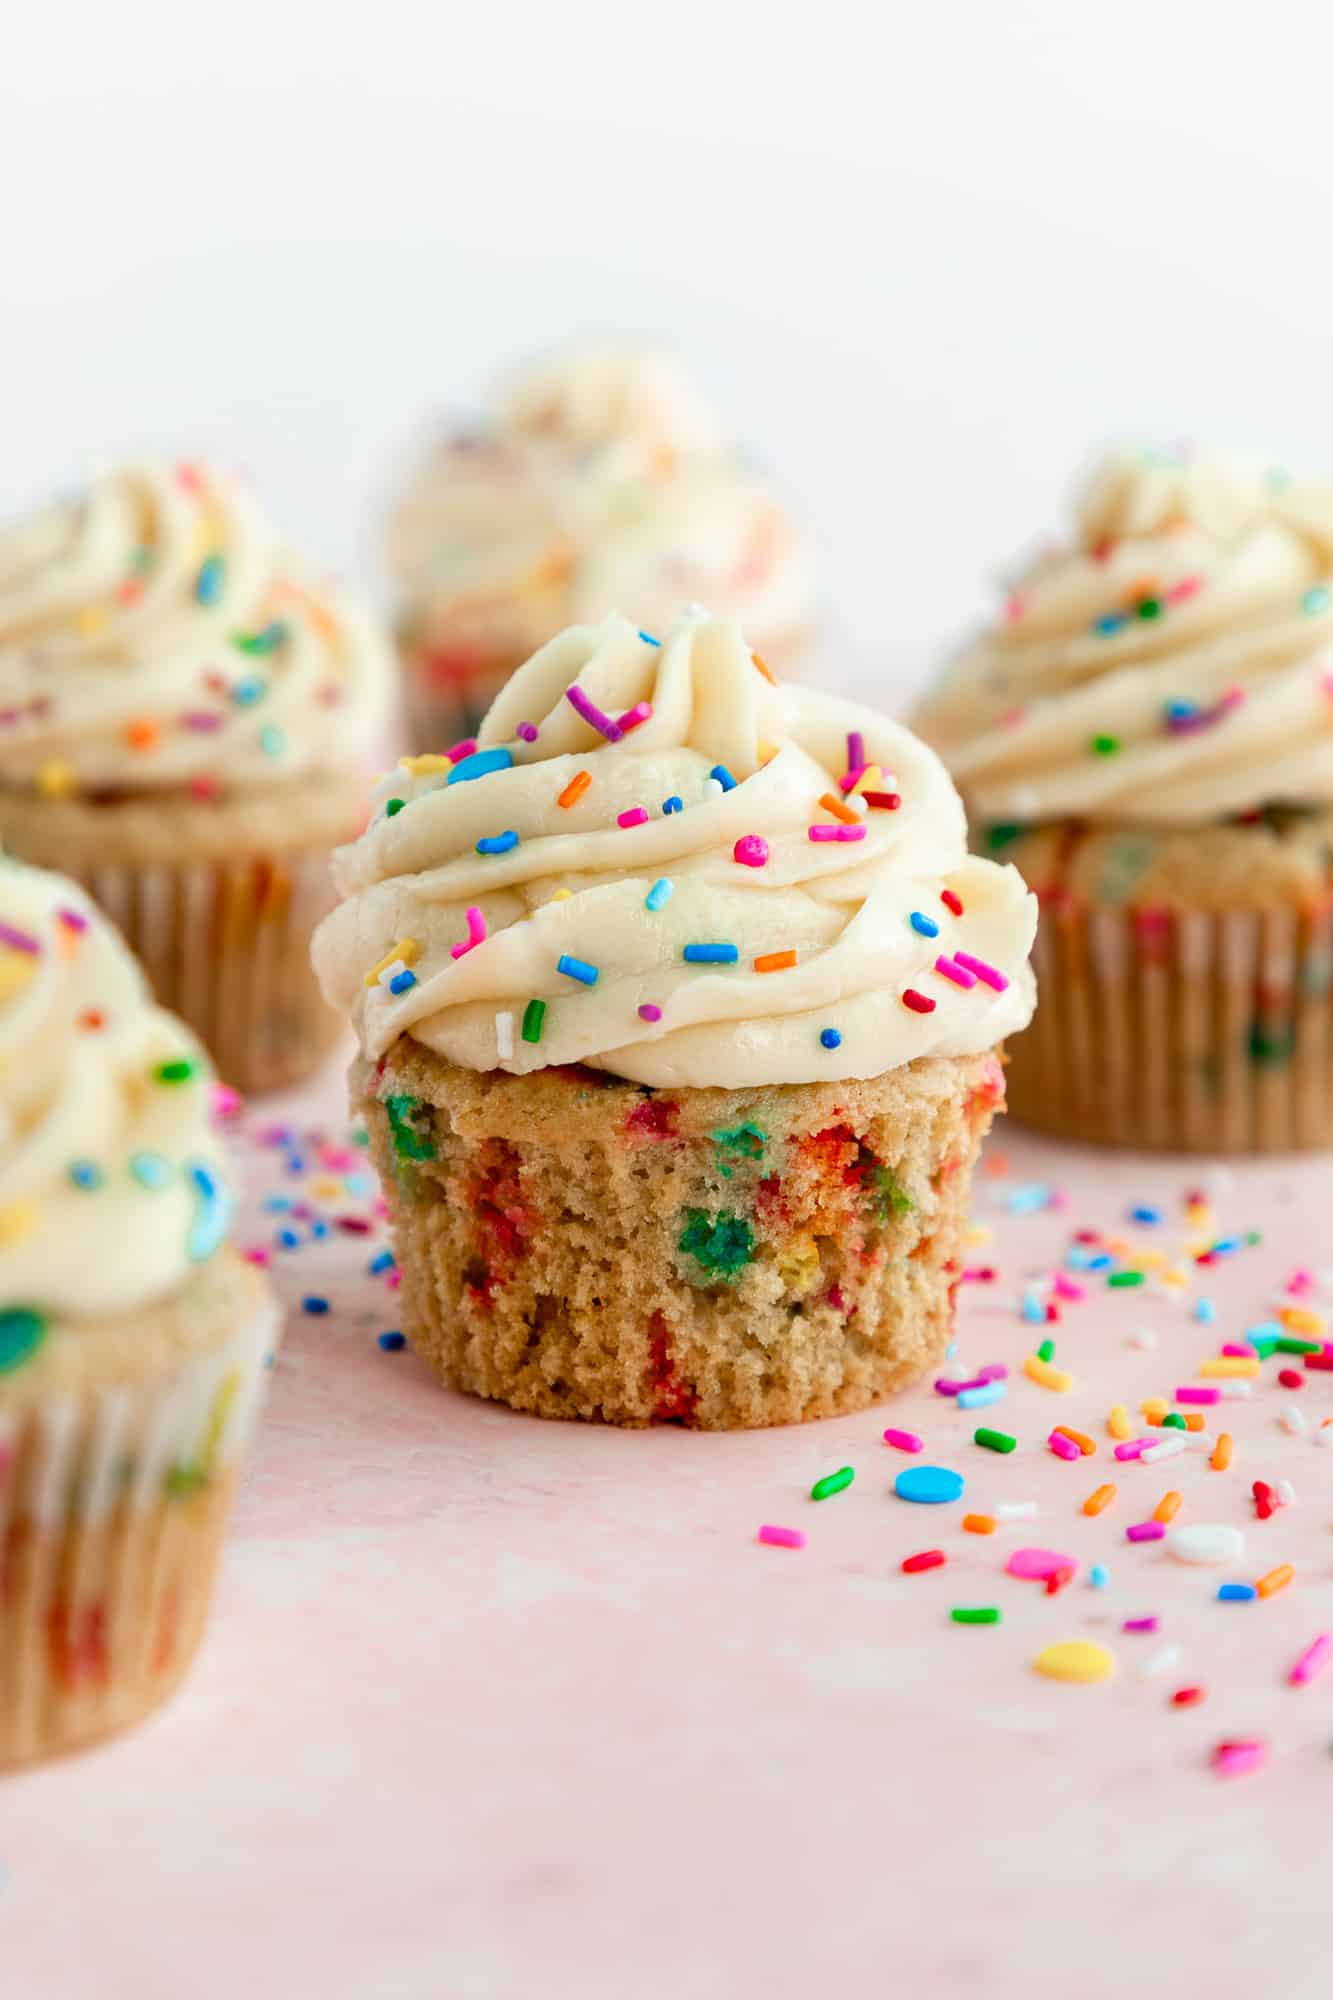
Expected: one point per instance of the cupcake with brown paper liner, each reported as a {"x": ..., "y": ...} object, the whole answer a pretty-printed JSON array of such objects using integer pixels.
[
  {"x": 1148, "y": 734},
  {"x": 133, "y": 1341},
  {"x": 679, "y": 1003},
  {"x": 598, "y": 477},
  {"x": 187, "y": 725}
]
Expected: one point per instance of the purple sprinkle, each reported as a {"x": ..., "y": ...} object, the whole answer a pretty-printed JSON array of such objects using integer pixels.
[
  {"x": 1145, "y": 1531},
  {"x": 856, "y": 751},
  {"x": 1140, "y": 1624},
  {"x": 944, "y": 1387},
  {"x": 592, "y": 715},
  {"x": 632, "y": 717},
  {"x": 201, "y": 719},
  {"x": 20, "y": 940},
  {"x": 527, "y": 731},
  {"x": 650, "y": 1011},
  {"x": 73, "y": 920}
]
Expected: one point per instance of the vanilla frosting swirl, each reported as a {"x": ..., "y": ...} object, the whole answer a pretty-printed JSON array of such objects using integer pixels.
[
  {"x": 1170, "y": 666},
  {"x": 649, "y": 892},
  {"x": 153, "y": 634},
  {"x": 600, "y": 478},
  {"x": 112, "y": 1187}
]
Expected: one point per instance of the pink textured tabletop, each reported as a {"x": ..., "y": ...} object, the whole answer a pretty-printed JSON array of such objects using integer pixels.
[{"x": 498, "y": 1707}]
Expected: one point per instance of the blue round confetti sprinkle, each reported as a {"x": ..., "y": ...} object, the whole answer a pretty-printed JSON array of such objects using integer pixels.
[
  {"x": 1144, "y": 1212},
  {"x": 287, "y": 1239},
  {"x": 829, "y": 1038},
  {"x": 1099, "y": 1576},
  {"x": 929, "y": 1485},
  {"x": 393, "y": 1343},
  {"x": 250, "y": 690}
]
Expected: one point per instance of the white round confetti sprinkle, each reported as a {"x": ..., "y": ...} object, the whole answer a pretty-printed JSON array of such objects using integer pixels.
[
  {"x": 1205, "y": 1542},
  {"x": 1286, "y": 1493}
]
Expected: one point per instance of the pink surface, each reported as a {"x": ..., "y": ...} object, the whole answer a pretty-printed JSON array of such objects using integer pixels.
[{"x": 497, "y": 1707}]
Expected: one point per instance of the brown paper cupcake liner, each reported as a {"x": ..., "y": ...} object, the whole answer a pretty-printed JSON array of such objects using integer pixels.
[
  {"x": 578, "y": 1246},
  {"x": 113, "y": 1506},
  {"x": 1197, "y": 1031}
]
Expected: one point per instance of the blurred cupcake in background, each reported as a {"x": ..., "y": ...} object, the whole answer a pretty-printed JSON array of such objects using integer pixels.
[
  {"x": 599, "y": 477},
  {"x": 133, "y": 1340},
  {"x": 186, "y": 723},
  {"x": 1148, "y": 734}
]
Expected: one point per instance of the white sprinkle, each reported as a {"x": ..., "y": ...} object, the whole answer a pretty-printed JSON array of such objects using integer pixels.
[
  {"x": 389, "y": 973},
  {"x": 1200, "y": 1441},
  {"x": 1143, "y": 1338},
  {"x": 1324, "y": 1435},
  {"x": 1233, "y": 1390},
  {"x": 1015, "y": 1510},
  {"x": 1293, "y": 1421},
  {"x": 713, "y": 788},
  {"x": 504, "y": 1037},
  {"x": 857, "y": 804},
  {"x": 1160, "y": 1662},
  {"x": 1286, "y": 1493},
  {"x": 1169, "y": 1447},
  {"x": 1205, "y": 1542}
]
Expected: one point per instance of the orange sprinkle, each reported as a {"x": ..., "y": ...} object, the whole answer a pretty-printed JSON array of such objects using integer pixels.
[
  {"x": 1118, "y": 1424},
  {"x": 1193, "y": 1420},
  {"x": 839, "y": 810},
  {"x": 1167, "y": 1507},
  {"x": 1277, "y": 1579},
  {"x": 979, "y": 1524},
  {"x": 575, "y": 789},
  {"x": 142, "y": 734},
  {"x": 767, "y": 673},
  {"x": 775, "y": 961},
  {"x": 1221, "y": 1457},
  {"x": 130, "y": 591},
  {"x": 996, "y": 1165},
  {"x": 1098, "y": 1502},
  {"x": 1080, "y": 1438},
  {"x": 1153, "y": 1422},
  {"x": 1298, "y": 1319}
]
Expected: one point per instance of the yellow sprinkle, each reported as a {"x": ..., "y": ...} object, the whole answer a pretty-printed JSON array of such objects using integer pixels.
[
  {"x": 326, "y": 1189},
  {"x": 1075, "y": 1660},
  {"x": 1150, "y": 1260},
  {"x": 798, "y": 1264},
  {"x": 16, "y": 969},
  {"x": 979, "y": 1233},
  {"x": 1176, "y": 1278},
  {"x": 220, "y": 1409},
  {"x": 17, "y": 1221},
  {"x": 406, "y": 948},
  {"x": 1228, "y": 1367},
  {"x": 1118, "y": 1423},
  {"x": 55, "y": 780},
  {"x": 871, "y": 780},
  {"x": 91, "y": 620},
  {"x": 1042, "y": 1372},
  {"x": 1154, "y": 1408},
  {"x": 1298, "y": 1319},
  {"x": 560, "y": 896},
  {"x": 423, "y": 767}
]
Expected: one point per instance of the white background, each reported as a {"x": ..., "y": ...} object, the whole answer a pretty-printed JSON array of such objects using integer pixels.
[{"x": 925, "y": 256}]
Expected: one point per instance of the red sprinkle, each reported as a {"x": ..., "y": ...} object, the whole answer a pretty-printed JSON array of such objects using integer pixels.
[
  {"x": 1188, "y": 1697},
  {"x": 883, "y": 801},
  {"x": 1291, "y": 1378},
  {"x": 918, "y": 1002},
  {"x": 927, "y": 1559},
  {"x": 951, "y": 902}
]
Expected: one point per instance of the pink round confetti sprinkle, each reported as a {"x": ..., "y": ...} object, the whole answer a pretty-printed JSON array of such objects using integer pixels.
[
  {"x": 781, "y": 1538},
  {"x": 904, "y": 1440},
  {"x": 1039, "y": 1564},
  {"x": 751, "y": 850},
  {"x": 650, "y": 1011}
]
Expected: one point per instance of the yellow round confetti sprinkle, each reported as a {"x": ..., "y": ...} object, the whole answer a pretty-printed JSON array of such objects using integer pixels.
[{"x": 1075, "y": 1660}]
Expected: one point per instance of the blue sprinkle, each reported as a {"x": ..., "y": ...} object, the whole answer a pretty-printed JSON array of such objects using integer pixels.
[
  {"x": 85, "y": 1174},
  {"x": 361, "y": 1185},
  {"x": 829, "y": 1038},
  {"x": 929, "y": 1485},
  {"x": 287, "y": 1239},
  {"x": 1225, "y": 1246},
  {"x": 497, "y": 843},
  {"x": 383, "y": 1260},
  {"x": 577, "y": 968},
  {"x": 393, "y": 1343},
  {"x": 924, "y": 926},
  {"x": 247, "y": 692},
  {"x": 1099, "y": 1576},
  {"x": 1033, "y": 1309},
  {"x": 1027, "y": 1199},
  {"x": 1205, "y": 1311},
  {"x": 1101, "y": 1260},
  {"x": 1181, "y": 711},
  {"x": 724, "y": 777},
  {"x": 977, "y": 1399},
  {"x": 711, "y": 954},
  {"x": 479, "y": 764},
  {"x": 151, "y": 1170},
  {"x": 660, "y": 894},
  {"x": 649, "y": 640},
  {"x": 319, "y": 1229},
  {"x": 673, "y": 804},
  {"x": 1236, "y": 1593},
  {"x": 1316, "y": 599},
  {"x": 295, "y": 1165},
  {"x": 208, "y": 583},
  {"x": 210, "y": 1223},
  {"x": 272, "y": 740},
  {"x": 1143, "y": 1211},
  {"x": 1112, "y": 622},
  {"x": 313, "y": 1303},
  {"x": 402, "y": 982}
]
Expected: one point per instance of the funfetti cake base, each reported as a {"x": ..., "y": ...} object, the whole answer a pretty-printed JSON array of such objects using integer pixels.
[{"x": 679, "y": 1001}]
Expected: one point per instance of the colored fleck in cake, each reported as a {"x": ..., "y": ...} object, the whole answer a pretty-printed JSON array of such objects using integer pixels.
[
  {"x": 599, "y": 477},
  {"x": 1148, "y": 734},
  {"x": 132, "y": 1341},
  {"x": 679, "y": 1002},
  {"x": 187, "y": 726}
]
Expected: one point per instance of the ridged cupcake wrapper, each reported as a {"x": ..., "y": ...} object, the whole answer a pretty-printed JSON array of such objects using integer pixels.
[
  {"x": 1180, "y": 1031},
  {"x": 112, "y": 1512}
]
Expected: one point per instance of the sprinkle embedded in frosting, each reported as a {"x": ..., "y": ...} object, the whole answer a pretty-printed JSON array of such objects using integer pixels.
[
  {"x": 658, "y": 950},
  {"x": 153, "y": 635},
  {"x": 1166, "y": 667}
]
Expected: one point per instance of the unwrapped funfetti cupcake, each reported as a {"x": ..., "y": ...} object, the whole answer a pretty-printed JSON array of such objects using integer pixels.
[
  {"x": 1148, "y": 734},
  {"x": 600, "y": 478},
  {"x": 187, "y": 722},
  {"x": 679, "y": 1003},
  {"x": 132, "y": 1340}
]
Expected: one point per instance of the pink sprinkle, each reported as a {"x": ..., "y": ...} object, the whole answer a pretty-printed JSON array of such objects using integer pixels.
[
  {"x": 1238, "y": 1349},
  {"x": 201, "y": 719},
  {"x": 527, "y": 732},
  {"x": 1145, "y": 1531},
  {"x": 960, "y": 976},
  {"x": 1188, "y": 586},
  {"x": 1015, "y": 605},
  {"x": 751, "y": 850},
  {"x": 632, "y": 717},
  {"x": 1066, "y": 1288},
  {"x": 1236, "y": 1759},
  {"x": 994, "y": 1371},
  {"x": 393, "y": 1279},
  {"x": 850, "y": 779},
  {"x": 632, "y": 816},
  {"x": 458, "y": 751},
  {"x": 1013, "y": 718},
  {"x": 904, "y": 1440},
  {"x": 1039, "y": 1564},
  {"x": 979, "y": 1274},
  {"x": 986, "y": 973},
  {"x": 1301, "y": 1282},
  {"x": 1189, "y": 1394},
  {"x": 1063, "y": 1447},
  {"x": 1139, "y": 1625},
  {"x": 1312, "y": 1661},
  {"x": 595, "y": 717},
  {"x": 944, "y": 1386},
  {"x": 257, "y": 1255},
  {"x": 836, "y": 832},
  {"x": 226, "y": 1101},
  {"x": 650, "y": 1011},
  {"x": 781, "y": 1538},
  {"x": 204, "y": 787},
  {"x": 1133, "y": 1448},
  {"x": 476, "y": 934},
  {"x": 341, "y": 1159}
]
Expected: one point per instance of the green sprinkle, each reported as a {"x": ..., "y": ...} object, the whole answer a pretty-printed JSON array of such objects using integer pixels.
[
  {"x": 1173, "y": 1421},
  {"x": 405, "y": 1113},
  {"x": 1121, "y": 1280},
  {"x": 1271, "y": 1049},
  {"x": 994, "y": 1440},
  {"x": 834, "y": 1482},
  {"x": 534, "y": 1017},
  {"x": 1263, "y": 1344},
  {"x": 1289, "y": 1344},
  {"x": 890, "y": 1199},
  {"x": 1149, "y": 607},
  {"x": 184, "y": 1479},
  {"x": 975, "y": 1614},
  {"x": 178, "y": 1071},
  {"x": 272, "y": 740},
  {"x": 747, "y": 1139},
  {"x": 260, "y": 642},
  {"x": 1046, "y": 1352},
  {"x": 1105, "y": 746},
  {"x": 1316, "y": 600},
  {"x": 723, "y": 1243},
  {"x": 394, "y": 806},
  {"x": 22, "y": 1331},
  {"x": 1001, "y": 834}
]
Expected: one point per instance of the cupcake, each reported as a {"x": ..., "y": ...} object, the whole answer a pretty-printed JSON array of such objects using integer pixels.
[
  {"x": 186, "y": 726},
  {"x": 679, "y": 1003},
  {"x": 132, "y": 1340},
  {"x": 598, "y": 478},
  {"x": 1148, "y": 733}
]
